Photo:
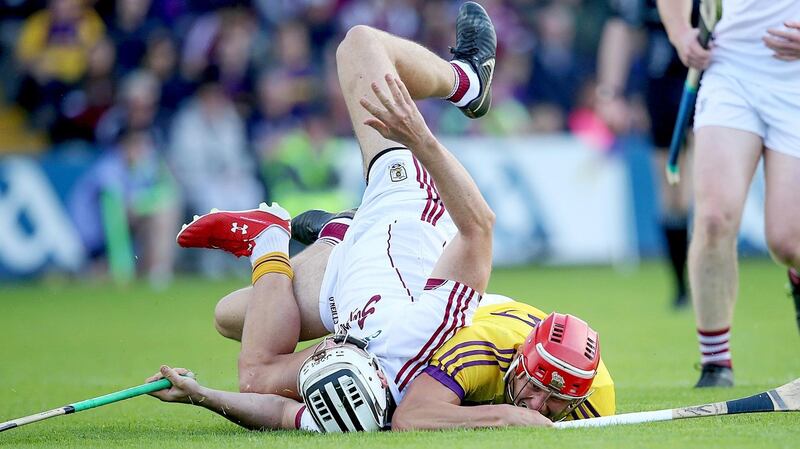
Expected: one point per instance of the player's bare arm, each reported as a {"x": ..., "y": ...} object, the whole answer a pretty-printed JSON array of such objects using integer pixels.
[
  {"x": 785, "y": 42},
  {"x": 250, "y": 410},
  {"x": 399, "y": 120},
  {"x": 613, "y": 64},
  {"x": 429, "y": 405},
  {"x": 675, "y": 14}
]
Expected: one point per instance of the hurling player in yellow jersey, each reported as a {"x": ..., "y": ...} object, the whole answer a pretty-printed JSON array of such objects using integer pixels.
[{"x": 512, "y": 354}]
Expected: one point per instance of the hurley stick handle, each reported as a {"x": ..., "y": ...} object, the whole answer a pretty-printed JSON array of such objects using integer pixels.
[{"x": 88, "y": 403}]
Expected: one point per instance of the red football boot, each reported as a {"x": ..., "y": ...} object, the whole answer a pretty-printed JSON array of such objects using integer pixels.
[{"x": 233, "y": 231}]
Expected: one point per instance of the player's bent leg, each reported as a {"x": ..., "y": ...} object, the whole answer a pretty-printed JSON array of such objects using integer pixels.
[
  {"x": 271, "y": 324},
  {"x": 674, "y": 217},
  {"x": 309, "y": 269},
  {"x": 366, "y": 55}
]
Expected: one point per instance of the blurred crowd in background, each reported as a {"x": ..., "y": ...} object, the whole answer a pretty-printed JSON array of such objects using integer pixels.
[{"x": 189, "y": 105}]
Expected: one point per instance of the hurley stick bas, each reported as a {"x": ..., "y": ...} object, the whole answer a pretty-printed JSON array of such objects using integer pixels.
[
  {"x": 87, "y": 404},
  {"x": 710, "y": 13},
  {"x": 782, "y": 399}
]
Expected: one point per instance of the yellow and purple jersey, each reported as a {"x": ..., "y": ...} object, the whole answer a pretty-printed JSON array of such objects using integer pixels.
[{"x": 473, "y": 362}]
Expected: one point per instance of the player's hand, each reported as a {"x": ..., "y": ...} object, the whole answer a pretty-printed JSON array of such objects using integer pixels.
[
  {"x": 521, "y": 416},
  {"x": 399, "y": 119},
  {"x": 183, "y": 388},
  {"x": 615, "y": 113},
  {"x": 692, "y": 54},
  {"x": 785, "y": 43}
]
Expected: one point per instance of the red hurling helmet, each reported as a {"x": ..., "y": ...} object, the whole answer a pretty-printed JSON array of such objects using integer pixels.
[{"x": 560, "y": 356}]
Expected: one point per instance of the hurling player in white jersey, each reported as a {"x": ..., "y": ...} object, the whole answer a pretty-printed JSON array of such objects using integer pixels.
[
  {"x": 748, "y": 108},
  {"x": 409, "y": 271}
]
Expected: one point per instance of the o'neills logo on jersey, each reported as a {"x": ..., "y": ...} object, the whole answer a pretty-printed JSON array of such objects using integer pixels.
[
  {"x": 360, "y": 316},
  {"x": 334, "y": 312},
  {"x": 397, "y": 172}
]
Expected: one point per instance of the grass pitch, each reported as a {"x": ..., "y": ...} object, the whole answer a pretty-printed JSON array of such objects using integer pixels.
[{"x": 64, "y": 342}]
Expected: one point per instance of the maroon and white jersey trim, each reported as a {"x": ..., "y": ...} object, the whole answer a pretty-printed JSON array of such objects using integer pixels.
[
  {"x": 434, "y": 207},
  {"x": 455, "y": 313}
]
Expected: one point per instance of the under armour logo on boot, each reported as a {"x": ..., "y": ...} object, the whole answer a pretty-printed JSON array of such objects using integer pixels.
[{"x": 235, "y": 227}]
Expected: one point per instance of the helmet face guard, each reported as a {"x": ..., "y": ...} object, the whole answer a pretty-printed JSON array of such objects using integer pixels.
[
  {"x": 559, "y": 357},
  {"x": 344, "y": 387},
  {"x": 515, "y": 374}
]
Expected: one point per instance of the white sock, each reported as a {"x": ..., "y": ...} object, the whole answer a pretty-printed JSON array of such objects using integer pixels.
[{"x": 271, "y": 240}]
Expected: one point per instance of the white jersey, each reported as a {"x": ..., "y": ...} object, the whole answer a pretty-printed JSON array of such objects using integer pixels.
[
  {"x": 377, "y": 282},
  {"x": 739, "y": 50}
]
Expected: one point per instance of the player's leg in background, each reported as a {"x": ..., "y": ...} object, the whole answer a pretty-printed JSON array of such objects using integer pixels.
[
  {"x": 782, "y": 172},
  {"x": 663, "y": 96},
  {"x": 725, "y": 160},
  {"x": 674, "y": 217}
]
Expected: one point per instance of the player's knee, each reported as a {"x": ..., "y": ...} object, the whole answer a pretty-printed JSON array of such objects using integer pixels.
[
  {"x": 785, "y": 248},
  {"x": 225, "y": 322},
  {"x": 715, "y": 226},
  {"x": 359, "y": 36}
]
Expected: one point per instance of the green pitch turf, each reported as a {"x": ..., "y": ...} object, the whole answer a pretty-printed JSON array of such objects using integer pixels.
[{"x": 63, "y": 342}]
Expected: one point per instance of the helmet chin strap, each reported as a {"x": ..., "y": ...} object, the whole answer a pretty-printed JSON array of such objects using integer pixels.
[{"x": 512, "y": 368}]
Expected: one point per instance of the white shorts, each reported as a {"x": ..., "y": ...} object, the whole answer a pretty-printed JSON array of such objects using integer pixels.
[
  {"x": 772, "y": 114},
  {"x": 376, "y": 284}
]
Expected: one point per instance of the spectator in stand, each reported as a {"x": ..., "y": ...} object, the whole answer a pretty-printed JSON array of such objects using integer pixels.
[
  {"x": 161, "y": 60},
  {"x": 129, "y": 191},
  {"x": 137, "y": 107},
  {"x": 557, "y": 72},
  {"x": 293, "y": 56},
  {"x": 53, "y": 51},
  {"x": 273, "y": 117},
  {"x": 233, "y": 56},
  {"x": 209, "y": 155},
  {"x": 129, "y": 29},
  {"x": 82, "y": 108}
]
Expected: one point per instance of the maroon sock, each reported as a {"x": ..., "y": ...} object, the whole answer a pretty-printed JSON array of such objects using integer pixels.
[
  {"x": 461, "y": 86},
  {"x": 333, "y": 232}
]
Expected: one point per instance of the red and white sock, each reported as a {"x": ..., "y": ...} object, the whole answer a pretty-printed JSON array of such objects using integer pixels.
[
  {"x": 333, "y": 232},
  {"x": 467, "y": 85},
  {"x": 715, "y": 347}
]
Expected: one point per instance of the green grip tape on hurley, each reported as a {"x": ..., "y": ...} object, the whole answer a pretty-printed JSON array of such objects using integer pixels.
[{"x": 121, "y": 395}]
